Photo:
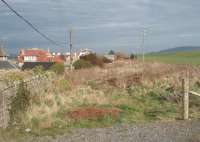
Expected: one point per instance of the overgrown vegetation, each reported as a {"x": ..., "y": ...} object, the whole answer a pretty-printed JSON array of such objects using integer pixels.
[
  {"x": 19, "y": 104},
  {"x": 89, "y": 98},
  {"x": 58, "y": 68},
  {"x": 93, "y": 59},
  {"x": 38, "y": 70},
  {"x": 82, "y": 64},
  {"x": 121, "y": 56},
  {"x": 106, "y": 60},
  {"x": 11, "y": 77},
  {"x": 133, "y": 56}
]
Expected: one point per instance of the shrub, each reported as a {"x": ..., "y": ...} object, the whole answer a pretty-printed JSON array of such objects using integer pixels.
[
  {"x": 38, "y": 70},
  {"x": 106, "y": 60},
  {"x": 82, "y": 64},
  {"x": 19, "y": 103},
  {"x": 93, "y": 59},
  {"x": 133, "y": 56},
  {"x": 58, "y": 68},
  {"x": 121, "y": 56}
]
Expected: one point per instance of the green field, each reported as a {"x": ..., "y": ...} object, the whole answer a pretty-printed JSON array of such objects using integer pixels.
[{"x": 192, "y": 58}]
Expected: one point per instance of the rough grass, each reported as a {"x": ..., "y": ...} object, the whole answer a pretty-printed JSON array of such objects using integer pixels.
[{"x": 155, "y": 96}]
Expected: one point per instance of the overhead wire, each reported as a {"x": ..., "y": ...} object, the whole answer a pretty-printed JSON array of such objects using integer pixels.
[{"x": 30, "y": 24}]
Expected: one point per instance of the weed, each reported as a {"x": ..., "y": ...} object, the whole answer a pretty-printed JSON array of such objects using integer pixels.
[
  {"x": 19, "y": 103},
  {"x": 58, "y": 68},
  {"x": 92, "y": 84},
  {"x": 82, "y": 64},
  {"x": 38, "y": 70}
]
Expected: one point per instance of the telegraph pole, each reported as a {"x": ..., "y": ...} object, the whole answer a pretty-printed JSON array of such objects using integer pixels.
[
  {"x": 142, "y": 48},
  {"x": 143, "y": 43},
  {"x": 70, "y": 42}
]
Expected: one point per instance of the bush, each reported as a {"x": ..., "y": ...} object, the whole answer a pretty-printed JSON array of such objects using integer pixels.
[
  {"x": 121, "y": 56},
  {"x": 19, "y": 103},
  {"x": 82, "y": 64},
  {"x": 58, "y": 68},
  {"x": 93, "y": 59},
  {"x": 106, "y": 60},
  {"x": 133, "y": 56},
  {"x": 38, "y": 70}
]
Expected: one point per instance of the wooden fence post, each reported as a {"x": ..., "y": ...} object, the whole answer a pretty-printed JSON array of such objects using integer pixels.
[
  {"x": 185, "y": 87},
  {"x": 4, "y": 107}
]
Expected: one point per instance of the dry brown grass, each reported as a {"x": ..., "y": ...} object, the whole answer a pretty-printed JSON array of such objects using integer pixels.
[
  {"x": 73, "y": 90},
  {"x": 124, "y": 73}
]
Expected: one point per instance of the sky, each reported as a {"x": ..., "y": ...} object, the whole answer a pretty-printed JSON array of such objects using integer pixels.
[{"x": 101, "y": 25}]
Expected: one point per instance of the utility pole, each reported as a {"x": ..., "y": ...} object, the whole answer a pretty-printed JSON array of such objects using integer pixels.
[
  {"x": 143, "y": 44},
  {"x": 142, "y": 48},
  {"x": 70, "y": 42}
]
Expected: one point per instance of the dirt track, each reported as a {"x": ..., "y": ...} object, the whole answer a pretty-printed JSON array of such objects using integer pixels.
[{"x": 155, "y": 132}]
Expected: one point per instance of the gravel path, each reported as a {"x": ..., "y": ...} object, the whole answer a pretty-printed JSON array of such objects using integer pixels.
[{"x": 154, "y": 132}]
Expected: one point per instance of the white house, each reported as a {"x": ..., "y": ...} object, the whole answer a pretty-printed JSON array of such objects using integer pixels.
[{"x": 84, "y": 52}]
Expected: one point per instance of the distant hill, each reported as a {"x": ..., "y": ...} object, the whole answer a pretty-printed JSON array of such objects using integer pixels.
[{"x": 181, "y": 49}]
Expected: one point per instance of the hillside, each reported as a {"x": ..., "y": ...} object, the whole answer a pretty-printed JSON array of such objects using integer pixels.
[
  {"x": 181, "y": 57},
  {"x": 181, "y": 49}
]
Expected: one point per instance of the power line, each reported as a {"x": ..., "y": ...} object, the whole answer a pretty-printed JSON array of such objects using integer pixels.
[{"x": 30, "y": 24}]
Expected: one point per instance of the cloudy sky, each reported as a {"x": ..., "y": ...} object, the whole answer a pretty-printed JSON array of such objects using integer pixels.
[{"x": 102, "y": 24}]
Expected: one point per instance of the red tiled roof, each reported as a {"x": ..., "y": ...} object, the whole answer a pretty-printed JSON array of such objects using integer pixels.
[
  {"x": 34, "y": 52},
  {"x": 42, "y": 56}
]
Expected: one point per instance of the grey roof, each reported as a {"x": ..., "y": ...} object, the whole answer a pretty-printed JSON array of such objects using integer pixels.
[
  {"x": 5, "y": 65},
  {"x": 2, "y": 52}
]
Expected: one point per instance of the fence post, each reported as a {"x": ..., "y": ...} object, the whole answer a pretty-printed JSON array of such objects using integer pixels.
[
  {"x": 185, "y": 88},
  {"x": 4, "y": 107}
]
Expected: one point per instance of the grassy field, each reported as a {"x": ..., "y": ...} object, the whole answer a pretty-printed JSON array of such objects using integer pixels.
[
  {"x": 192, "y": 58},
  {"x": 103, "y": 97}
]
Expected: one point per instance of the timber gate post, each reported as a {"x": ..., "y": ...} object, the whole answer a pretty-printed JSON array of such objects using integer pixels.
[
  {"x": 3, "y": 111},
  {"x": 185, "y": 88}
]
